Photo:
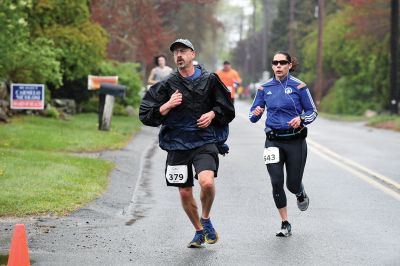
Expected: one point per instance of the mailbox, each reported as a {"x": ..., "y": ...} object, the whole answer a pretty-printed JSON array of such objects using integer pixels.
[
  {"x": 107, "y": 93},
  {"x": 112, "y": 89}
]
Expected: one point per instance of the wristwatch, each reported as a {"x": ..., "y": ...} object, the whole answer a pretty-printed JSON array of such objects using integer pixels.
[{"x": 302, "y": 118}]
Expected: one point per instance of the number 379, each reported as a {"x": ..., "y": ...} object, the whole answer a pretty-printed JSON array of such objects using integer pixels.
[{"x": 175, "y": 177}]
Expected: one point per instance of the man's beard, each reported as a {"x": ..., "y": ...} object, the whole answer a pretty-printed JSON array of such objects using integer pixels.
[{"x": 180, "y": 63}]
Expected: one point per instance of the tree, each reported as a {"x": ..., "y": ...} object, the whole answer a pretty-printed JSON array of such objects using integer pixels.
[
  {"x": 67, "y": 23},
  {"x": 140, "y": 29},
  {"x": 82, "y": 43},
  {"x": 355, "y": 66},
  {"x": 25, "y": 58}
]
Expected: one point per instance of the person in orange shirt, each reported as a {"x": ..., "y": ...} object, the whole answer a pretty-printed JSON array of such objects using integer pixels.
[{"x": 230, "y": 78}]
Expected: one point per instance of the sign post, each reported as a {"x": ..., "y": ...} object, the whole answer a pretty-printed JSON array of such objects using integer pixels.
[
  {"x": 27, "y": 96},
  {"x": 108, "y": 88}
]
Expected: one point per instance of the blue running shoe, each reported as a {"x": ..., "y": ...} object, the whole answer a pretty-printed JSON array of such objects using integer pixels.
[
  {"x": 198, "y": 239},
  {"x": 211, "y": 236}
]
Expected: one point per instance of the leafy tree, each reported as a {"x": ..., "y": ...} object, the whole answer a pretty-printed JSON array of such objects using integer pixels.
[
  {"x": 25, "y": 58},
  {"x": 356, "y": 64},
  {"x": 140, "y": 29},
  {"x": 67, "y": 23},
  {"x": 81, "y": 44}
]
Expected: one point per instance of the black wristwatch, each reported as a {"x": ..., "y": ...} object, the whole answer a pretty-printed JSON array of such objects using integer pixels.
[{"x": 302, "y": 118}]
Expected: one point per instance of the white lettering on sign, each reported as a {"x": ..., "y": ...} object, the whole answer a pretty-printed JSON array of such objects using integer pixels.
[{"x": 27, "y": 96}]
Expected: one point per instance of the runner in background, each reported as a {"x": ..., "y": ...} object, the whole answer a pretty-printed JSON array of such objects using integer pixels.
[
  {"x": 230, "y": 78},
  {"x": 160, "y": 71}
]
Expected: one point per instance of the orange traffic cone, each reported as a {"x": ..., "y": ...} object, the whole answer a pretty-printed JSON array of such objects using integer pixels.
[{"x": 19, "y": 254}]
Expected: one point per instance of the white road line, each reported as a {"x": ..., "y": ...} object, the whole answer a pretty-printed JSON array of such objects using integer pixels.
[
  {"x": 362, "y": 176},
  {"x": 351, "y": 163},
  {"x": 357, "y": 169}
]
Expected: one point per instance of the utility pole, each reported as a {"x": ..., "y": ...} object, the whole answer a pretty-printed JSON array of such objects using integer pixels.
[
  {"x": 254, "y": 16},
  {"x": 291, "y": 26},
  {"x": 319, "y": 79},
  {"x": 264, "y": 47},
  {"x": 394, "y": 41},
  {"x": 241, "y": 26},
  {"x": 252, "y": 54}
]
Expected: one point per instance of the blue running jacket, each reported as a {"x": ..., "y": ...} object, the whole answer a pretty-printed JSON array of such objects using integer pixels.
[{"x": 282, "y": 101}]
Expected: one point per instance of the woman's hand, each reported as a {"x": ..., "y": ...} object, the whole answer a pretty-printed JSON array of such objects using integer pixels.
[
  {"x": 258, "y": 111},
  {"x": 295, "y": 122}
]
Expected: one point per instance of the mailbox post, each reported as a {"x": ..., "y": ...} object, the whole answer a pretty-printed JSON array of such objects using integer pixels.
[{"x": 107, "y": 93}]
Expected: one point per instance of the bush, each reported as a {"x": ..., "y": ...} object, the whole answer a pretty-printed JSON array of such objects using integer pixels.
[
  {"x": 128, "y": 75},
  {"x": 52, "y": 112},
  {"x": 345, "y": 97},
  {"x": 91, "y": 106},
  {"x": 119, "y": 110}
]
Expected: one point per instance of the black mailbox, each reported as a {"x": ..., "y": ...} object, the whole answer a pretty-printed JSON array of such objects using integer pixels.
[
  {"x": 112, "y": 89},
  {"x": 107, "y": 93}
]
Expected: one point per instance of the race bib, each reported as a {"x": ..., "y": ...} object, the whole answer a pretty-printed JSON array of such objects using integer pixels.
[
  {"x": 271, "y": 155},
  {"x": 177, "y": 174}
]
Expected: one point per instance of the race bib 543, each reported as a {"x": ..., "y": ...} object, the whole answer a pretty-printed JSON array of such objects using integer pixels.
[{"x": 271, "y": 155}]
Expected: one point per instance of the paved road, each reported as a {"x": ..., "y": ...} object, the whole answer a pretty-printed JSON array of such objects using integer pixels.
[{"x": 353, "y": 218}]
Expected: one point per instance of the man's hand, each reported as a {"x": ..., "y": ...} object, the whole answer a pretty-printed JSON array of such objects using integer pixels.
[
  {"x": 295, "y": 122},
  {"x": 258, "y": 111},
  {"x": 205, "y": 119},
  {"x": 175, "y": 100}
]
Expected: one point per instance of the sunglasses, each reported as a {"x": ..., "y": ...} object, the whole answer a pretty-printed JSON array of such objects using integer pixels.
[{"x": 282, "y": 62}]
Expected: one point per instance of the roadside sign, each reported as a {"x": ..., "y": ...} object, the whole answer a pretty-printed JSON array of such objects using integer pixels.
[
  {"x": 95, "y": 81},
  {"x": 27, "y": 96}
]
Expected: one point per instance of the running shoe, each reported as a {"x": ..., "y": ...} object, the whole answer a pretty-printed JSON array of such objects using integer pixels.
[
  {"x": 198, "y": 239},
  {"x": 286, "y": 229},
  {"x": 302, "y": 201},
  {"x": 211, "y": 236}
]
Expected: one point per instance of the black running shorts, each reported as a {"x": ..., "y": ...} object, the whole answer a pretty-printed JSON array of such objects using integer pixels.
[{"x": 202, "y": 158}]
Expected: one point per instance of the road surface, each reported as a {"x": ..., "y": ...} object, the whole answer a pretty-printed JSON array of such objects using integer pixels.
[{"x": 351, "y": 178}]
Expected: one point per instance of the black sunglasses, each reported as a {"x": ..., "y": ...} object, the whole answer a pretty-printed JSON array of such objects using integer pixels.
[{"x": 282, "y": 62}]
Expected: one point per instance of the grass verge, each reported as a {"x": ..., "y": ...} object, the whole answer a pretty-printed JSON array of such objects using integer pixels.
[
  {"x": 37, "y": 182},
  {"x": 37, "y": 176},
  {"x": 77, "y": 135},
  {"x": 341, "y": 117},
  {"x": 385, "y": 121}
]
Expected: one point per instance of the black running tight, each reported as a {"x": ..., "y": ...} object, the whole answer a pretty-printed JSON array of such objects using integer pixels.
[{"x": 293, "y": 154}]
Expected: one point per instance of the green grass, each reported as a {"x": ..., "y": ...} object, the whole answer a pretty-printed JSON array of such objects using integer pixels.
[
  {"x": 36, "y": 182},
  {"x": 3, "y": 260},
  {"x": 341, "y": 117},
  {"x": 385, "y": 121},
  {"x": 78, "y": 135},
  {"x": 38, "y": 175}
]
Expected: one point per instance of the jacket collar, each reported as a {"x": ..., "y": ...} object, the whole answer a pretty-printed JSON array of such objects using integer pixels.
[{"x": 177, "y": 74}]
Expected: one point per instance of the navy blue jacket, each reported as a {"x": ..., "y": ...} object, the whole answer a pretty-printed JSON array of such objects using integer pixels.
[
  {"x": 179, "y": 130},
  {"x": 284, "y": 100}
]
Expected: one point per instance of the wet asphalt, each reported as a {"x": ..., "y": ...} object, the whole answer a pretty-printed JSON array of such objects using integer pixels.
[{"x": 139, "y": 220}]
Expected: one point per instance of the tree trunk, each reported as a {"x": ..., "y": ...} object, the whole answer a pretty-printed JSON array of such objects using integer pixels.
[
  {"x": 291, "y": 27},
  {"x": 264, "y": 47},
  {"x": 394, "y": 41},
  {"x": 319, "y": 79}
]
